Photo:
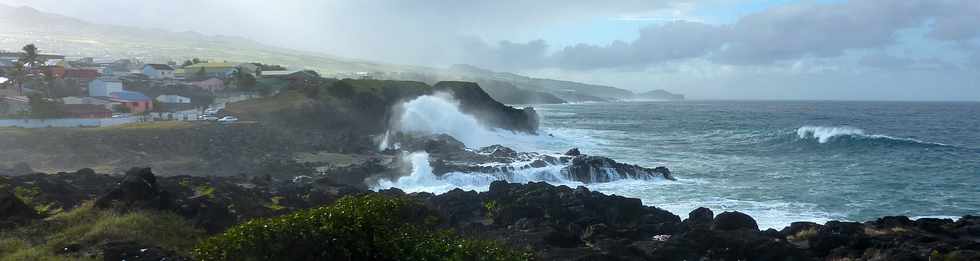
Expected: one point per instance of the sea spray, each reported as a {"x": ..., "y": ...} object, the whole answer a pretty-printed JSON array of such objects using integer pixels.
[
  {"x": 440, "y": 114},
  {"x": 824, "y": 134},
  {"x": 422, "y": 179}
]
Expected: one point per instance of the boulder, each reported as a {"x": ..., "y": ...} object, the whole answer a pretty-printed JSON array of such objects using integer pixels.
[
  {"x": 137, "y": 190},
  {"x": 597, "y": 169},
  {"x": 573, "y": 152},
  {"x": 836, "y": 234},
  {"x": 733, "y": 221},
  {"x": 700, "y": 218}
]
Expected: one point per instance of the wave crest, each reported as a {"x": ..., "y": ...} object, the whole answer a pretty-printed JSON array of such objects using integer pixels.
[{"x": 824, "y": 134}]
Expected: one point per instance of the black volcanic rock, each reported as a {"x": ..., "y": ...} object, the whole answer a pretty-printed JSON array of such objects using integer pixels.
[
  {"x": 573, "y": 152},
  {"x": 595, "y": 169},
  {"x": 139, "y": 190},
  {"x": 700, "y": 218},
  {"x": 733, "y": 221},
  {"x": 13, "y": 211},
  {"x": 474, "y": 101}
]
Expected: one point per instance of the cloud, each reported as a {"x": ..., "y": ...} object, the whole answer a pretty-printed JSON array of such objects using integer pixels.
[
  {"x": 785, "y": 34},
  {"x": 656, "y": 44}
]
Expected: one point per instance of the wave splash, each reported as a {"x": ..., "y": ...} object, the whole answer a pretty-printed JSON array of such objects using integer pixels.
[
  {"x": 422, "y": 178},
  {"x": 824, "y": 135},
  {"x": 440, "y": 114}
]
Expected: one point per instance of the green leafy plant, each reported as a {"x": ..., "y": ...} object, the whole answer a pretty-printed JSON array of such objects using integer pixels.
[{"x": 371, "y": 227}]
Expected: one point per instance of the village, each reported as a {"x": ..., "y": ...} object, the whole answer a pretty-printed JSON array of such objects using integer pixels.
[{"x": 49, "y": 90}]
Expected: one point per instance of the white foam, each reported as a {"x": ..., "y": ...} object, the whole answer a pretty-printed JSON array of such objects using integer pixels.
[
  {"x": 422, "y": 179},
  {"x": 825, "y": 134},
  {"x": 440, "y": 114}
]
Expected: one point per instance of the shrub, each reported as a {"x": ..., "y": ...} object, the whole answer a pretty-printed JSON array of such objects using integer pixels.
[{"x": 371, "y": 227}]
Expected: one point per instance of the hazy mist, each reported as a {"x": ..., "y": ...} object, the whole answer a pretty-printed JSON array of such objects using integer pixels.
[{"x": 845, "y": 50}]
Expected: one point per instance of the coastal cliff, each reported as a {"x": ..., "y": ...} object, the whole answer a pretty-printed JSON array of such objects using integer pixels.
[{"x": 365, "y": 105}]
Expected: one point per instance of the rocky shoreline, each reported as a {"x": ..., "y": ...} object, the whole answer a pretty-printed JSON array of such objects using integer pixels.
[{"x": 553, "y": 222}]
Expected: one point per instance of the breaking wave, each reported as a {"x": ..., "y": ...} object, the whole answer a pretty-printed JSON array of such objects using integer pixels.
[
  {"x": 422, "y": 178},
  {"x": 847, "y": 134},
  {"x": 440, "y": 114}
]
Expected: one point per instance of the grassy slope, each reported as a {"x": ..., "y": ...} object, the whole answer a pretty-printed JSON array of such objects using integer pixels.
[{"x": 90, "y": 227}]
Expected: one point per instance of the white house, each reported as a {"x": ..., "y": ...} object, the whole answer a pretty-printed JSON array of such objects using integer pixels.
[
  {"x": 103, "y": 87},
  {"x": 158, "y": 71},
  {"x": 167, "y": 98}
]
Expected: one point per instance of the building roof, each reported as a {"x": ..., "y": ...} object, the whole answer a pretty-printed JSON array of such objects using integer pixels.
[
  {"x": 211, "y": 65},
  {"x": 129, "y": 96},
  {"x": 158, "y": 66},
  {"x": 172, "y": 95},
  {"x": 82, "y": 73}
]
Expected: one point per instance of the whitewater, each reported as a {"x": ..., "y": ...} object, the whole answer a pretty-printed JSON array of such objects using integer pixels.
[{"x": 777, "y": 161}]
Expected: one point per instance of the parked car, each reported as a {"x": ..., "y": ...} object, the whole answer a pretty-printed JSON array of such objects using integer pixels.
[
  {"x": 228, "y": 119},
  {"x": 209, "y": 118}
]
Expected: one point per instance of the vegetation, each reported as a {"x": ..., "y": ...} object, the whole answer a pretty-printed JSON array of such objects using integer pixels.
[
  {"x": 87, "y": 226},
  {"x": 371, "y": 227},
  {"x": 42, "y": 107}
]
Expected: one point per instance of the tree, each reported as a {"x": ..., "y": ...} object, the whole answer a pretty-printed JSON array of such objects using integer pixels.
[
  {"x": 19, "y": 75},
  {"x": 30, "y": 57},
  {"x": 201, "y": 74},
  {"x": 28, "y": 61},
  {"x": 42, "y": 107}
]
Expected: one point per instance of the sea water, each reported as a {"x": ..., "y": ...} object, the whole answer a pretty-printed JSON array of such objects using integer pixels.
[{"x": 779, "y": 161}]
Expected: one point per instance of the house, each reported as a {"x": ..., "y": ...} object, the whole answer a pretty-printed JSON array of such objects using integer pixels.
[
  {"x": 211, "y": 84},
  {"x": 168, "y": 98},
  {"x": 294, "y": 77},
  {"x": 217, "y": 70},
  {"x": 135, "y": 101},
  {"x": 85, "y": 111},
  {"x": 103, "y": 101},
  {"x": 14, "y": 105},
  {"x": 158, "y": 71},
  {"x": 82, "y": 74},
  {"x": 81, "y": 77},
  {"x": 103, "y": 87}
]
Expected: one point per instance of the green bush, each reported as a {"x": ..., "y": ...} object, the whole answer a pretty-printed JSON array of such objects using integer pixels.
[{"x": 371, "y": 227}]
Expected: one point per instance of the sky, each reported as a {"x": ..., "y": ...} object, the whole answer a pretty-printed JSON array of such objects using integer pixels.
[{"x": 708, "y": 49}]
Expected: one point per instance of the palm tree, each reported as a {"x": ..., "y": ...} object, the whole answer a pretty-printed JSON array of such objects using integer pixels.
[
  {"x": 18, "y": 75},
  {"x": 27, "y": 62},
  {"x": 30, "y": 57}
]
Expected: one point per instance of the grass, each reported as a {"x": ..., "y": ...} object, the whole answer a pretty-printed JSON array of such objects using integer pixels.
[
  {"x": 157, "y": 125},
  {"x": 803, "y": 235},
  {"x": 90, "y": 227}
]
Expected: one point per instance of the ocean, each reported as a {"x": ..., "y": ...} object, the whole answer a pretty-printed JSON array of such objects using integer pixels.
[{"x": 778, "y": 161}]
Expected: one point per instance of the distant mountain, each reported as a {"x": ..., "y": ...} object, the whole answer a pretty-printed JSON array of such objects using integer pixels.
[
  {"x": 660, "y": 95},
  {"x": 566, "y": 90},
  {"x": 73, "y": 37},
  {"x": 77, "y": 38}
]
